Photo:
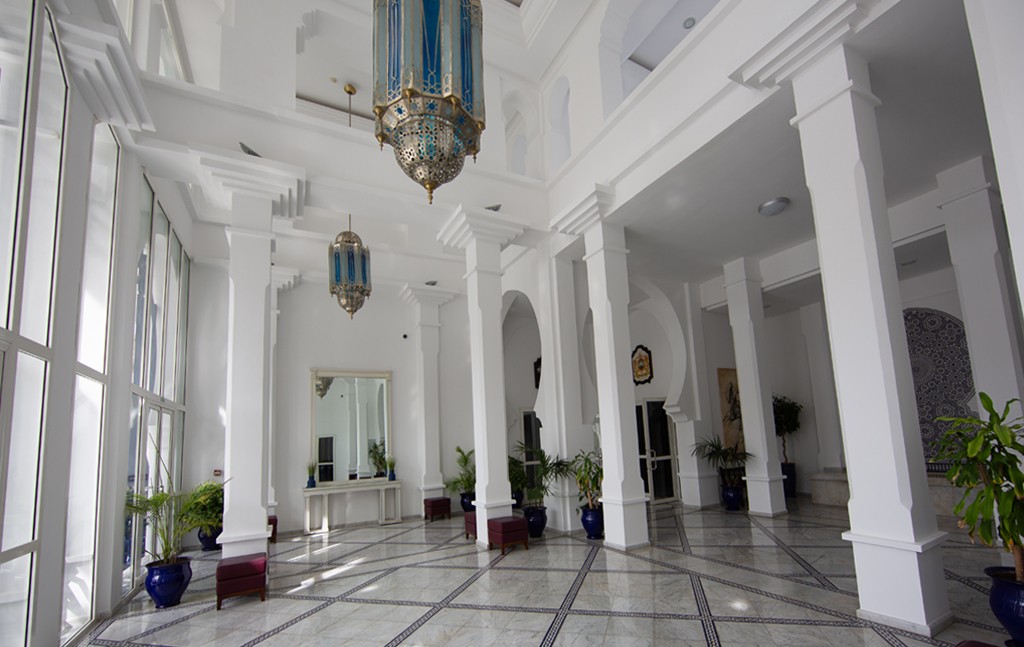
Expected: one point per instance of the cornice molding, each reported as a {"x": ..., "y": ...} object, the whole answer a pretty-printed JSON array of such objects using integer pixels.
[
  {"x": 103, "y": 71},
  {"x": 593, "y": 208},
  {"x": 467, "y": 224},
  {"x": 428, "y": 295},
  {"x": 224, "y": 173},
  {"x": 284, "y": 278},
  {"x": 826, "y": 24}
]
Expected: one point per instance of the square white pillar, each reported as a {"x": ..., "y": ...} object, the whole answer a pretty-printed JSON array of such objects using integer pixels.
[
  {"x": 896, "y": 544},
  {"x": 765, "y": 496},
  {"x": 823, "y": 387}
]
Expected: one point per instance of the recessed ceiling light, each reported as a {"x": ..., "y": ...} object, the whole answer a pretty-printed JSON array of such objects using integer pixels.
[
  {"x": 907, "y": 263},
  {"x": 431, "y": 283},
  {"x": 773, "y": 207},
  {"x": 689, "y": 23}
]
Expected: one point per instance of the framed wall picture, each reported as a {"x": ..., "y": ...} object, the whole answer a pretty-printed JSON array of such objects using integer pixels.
[
  {"x": 643, "y": 369},
  {"x": 536, "y": 374},
  {"x": 729, "y": 399}
]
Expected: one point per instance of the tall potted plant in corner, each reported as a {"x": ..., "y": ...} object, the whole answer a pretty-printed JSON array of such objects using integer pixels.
[
  {"x": 589, "y": 475},
  {"x": 787, "y": 421},
  {"x": 986, "y": 462},
  {"x": 378, "y": 458},
  {"x": 207, "y": 504},
  {"x": 465, "y": 482},
  {"x": 729, "y": 462},
  {"x": 171, "y": 515},
  {"x": 546, "y": 470}
]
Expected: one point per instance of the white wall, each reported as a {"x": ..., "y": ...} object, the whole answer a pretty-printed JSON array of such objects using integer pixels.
[
  {"x": 785, "y": 355},
  {"x": 313, "y": 332},
  {"x": 522, "y": 348},
  {"x": 720, "y": 354},
  {"x": 644, "y": 329},
  {"x": 456, "y": 385},
  {"x": 936, "y": 290}
]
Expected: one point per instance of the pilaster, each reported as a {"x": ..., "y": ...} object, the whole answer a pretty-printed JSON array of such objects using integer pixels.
[
  {"x": 896, "y": 544},
  {"x": 427, "y": 301},
  {"x": 746, "y": 317},
  {"x": 823, "y": 387}
]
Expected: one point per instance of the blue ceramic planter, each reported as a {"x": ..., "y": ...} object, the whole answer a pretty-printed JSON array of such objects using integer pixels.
[
  {"x": 466, "y": 501},
  {"x": 732, "y": 497},
  {"x": 1007, "y": 601},
  {"x": 536, "y": 520},
  {"x": 209, "y": 542},
  {"x": 593, "y": 522},
  {"x": 391, "y": 475},
  {"x": 310, "y": 482},
  {"x": 166, "y": 583}
]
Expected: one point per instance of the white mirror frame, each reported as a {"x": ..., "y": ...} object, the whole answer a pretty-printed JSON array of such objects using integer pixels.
[{"x": 314, "y": 376}]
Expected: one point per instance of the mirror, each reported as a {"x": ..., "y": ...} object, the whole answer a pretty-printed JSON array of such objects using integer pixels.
[{"x": 351, "y": 424}]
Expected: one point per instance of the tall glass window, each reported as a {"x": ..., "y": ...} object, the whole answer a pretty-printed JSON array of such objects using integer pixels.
[
  {"x": 99, "y": 232},
  {"x": 40, "y": 234},
  {"x": 13, "y": 38},
  {"x": 157, "y": 301},
  {"x": 142, "y": 280},
  {"x": 171, "y": 338}
]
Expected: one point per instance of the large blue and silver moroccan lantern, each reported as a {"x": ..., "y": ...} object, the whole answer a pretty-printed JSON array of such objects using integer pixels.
[
  {"x": 349, "y": 270},
  {"x": 428, "y": 90}
]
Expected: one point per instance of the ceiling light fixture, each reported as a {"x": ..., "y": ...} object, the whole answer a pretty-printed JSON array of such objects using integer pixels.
[
  {"x": 773, "y": 207},
  {"x": 689, "y": 23},
  {"x": 348, "y": 270},
  {"x": 428, "y": 86}
]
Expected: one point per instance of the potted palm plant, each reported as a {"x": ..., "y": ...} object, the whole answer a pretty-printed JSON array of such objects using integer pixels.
[
  {"x": 589, "y": 474},
  {"x": 729, "y": 462},
  {"x": 546, "y": 470},
  {"x": 208, "y": 505},
  {"x": 171, "y": 515},
  {"x": 390, "y": 462},
  {"x": 986, "y": 461},
  {"x": 465, "y": 482},
  {"x": 378, "y": 457},
  {"x": 787, "y": 421}
]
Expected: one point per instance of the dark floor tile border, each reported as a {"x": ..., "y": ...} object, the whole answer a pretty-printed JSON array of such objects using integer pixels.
[
  {"x": 795, "y": 556},
  {"x": 707, "y": 619},
  {"x": 950, "y": 575},
  {"x": 570, "y": 597},
  {"x": 188, "y": 616}
]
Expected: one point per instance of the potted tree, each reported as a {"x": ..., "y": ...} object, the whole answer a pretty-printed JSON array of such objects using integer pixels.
[
  {"x": 787, "y": 421},
  {"x": 465, "y": 482},
  {"x": 546, "y": 470},
  {"x": 729, "y": 462},
  {"x": 172, "y": 515},
  {"x": 986, "y": 462},
  {"x": 589, "y": 474},
  {"x": 517, "y": 480},
  {"x": 208, "y": 505}
]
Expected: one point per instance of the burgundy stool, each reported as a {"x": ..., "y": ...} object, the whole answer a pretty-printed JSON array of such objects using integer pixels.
[
  {"x": 507, "y": 531},
  {"x": 438, "y": 506},
  {"x": 470, "y": 524},
  {"x": 242, "y": 575},
  {"x": 272, "y": 521},
  {"x": 974, "y": 643}
]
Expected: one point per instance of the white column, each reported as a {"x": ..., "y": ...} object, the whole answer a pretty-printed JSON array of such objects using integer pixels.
[
  {"x": 427, "y": 301},
  {"x": 746, "y": 317},
  {"x": 362, "y": 426},
  {"x": 698, "y": 483},
  {"x": 823, "y": 387},
  {"x": 561, "y": 385},
  {"x": 249, "y": 239},
  {"x": 896, "y": 546},
  {"x": 625, "y": 504},
  {"x": 998, "y": 52},
  {"x": 481, "y": 234},
  {"x": 978, "y": 249}
]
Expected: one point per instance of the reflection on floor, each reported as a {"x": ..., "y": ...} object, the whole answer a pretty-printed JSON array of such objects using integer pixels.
[{"x": 708, "y": 578}]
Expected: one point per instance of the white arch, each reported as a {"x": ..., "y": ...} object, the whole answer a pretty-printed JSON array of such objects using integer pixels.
[{"x": 658, "y": 305}]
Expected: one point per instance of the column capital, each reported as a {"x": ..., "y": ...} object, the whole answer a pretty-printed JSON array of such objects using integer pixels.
[
  {"x": 284, "y": 278},
  {"x": 824, "y": 25},
  {"x": 742, "y": 269},
  {"x": 831, "y": 76},
  {"x": 964, "y": 180},
  {"x": 225, "y": 174},
  {"x": 593, "y": 208},
  {"x": 426, "y": 295},
  {"x": 467, "y": 224}
]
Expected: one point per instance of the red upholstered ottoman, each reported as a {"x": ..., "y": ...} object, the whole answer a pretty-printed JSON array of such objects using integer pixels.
[
  {"x": 507, "y": 531},
  {"x": 438, "y": 506},
  {"x": 242, "y": 575},
  {"x": 272, "y": 522},
  {"x": 470, "y": 524}
]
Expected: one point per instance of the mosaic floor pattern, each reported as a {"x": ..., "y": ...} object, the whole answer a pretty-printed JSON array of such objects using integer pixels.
[{"x": 708, "y": 578}]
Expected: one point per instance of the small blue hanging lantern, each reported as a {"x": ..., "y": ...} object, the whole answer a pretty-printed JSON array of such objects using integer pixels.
[
  {"x": 349, "y": 270},
  {"x": 428, "y": 89}
]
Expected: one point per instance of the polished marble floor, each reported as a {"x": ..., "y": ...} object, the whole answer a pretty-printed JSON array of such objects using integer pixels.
[{"x": 708, "y": 578}]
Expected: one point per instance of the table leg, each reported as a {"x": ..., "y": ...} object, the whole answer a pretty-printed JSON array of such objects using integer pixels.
[
  {"x": 306, "y": 528},
  {"x": 325, "y": 525}
]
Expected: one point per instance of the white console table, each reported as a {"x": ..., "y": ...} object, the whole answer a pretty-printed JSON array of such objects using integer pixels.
[{"x": 382, "y": 487}]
